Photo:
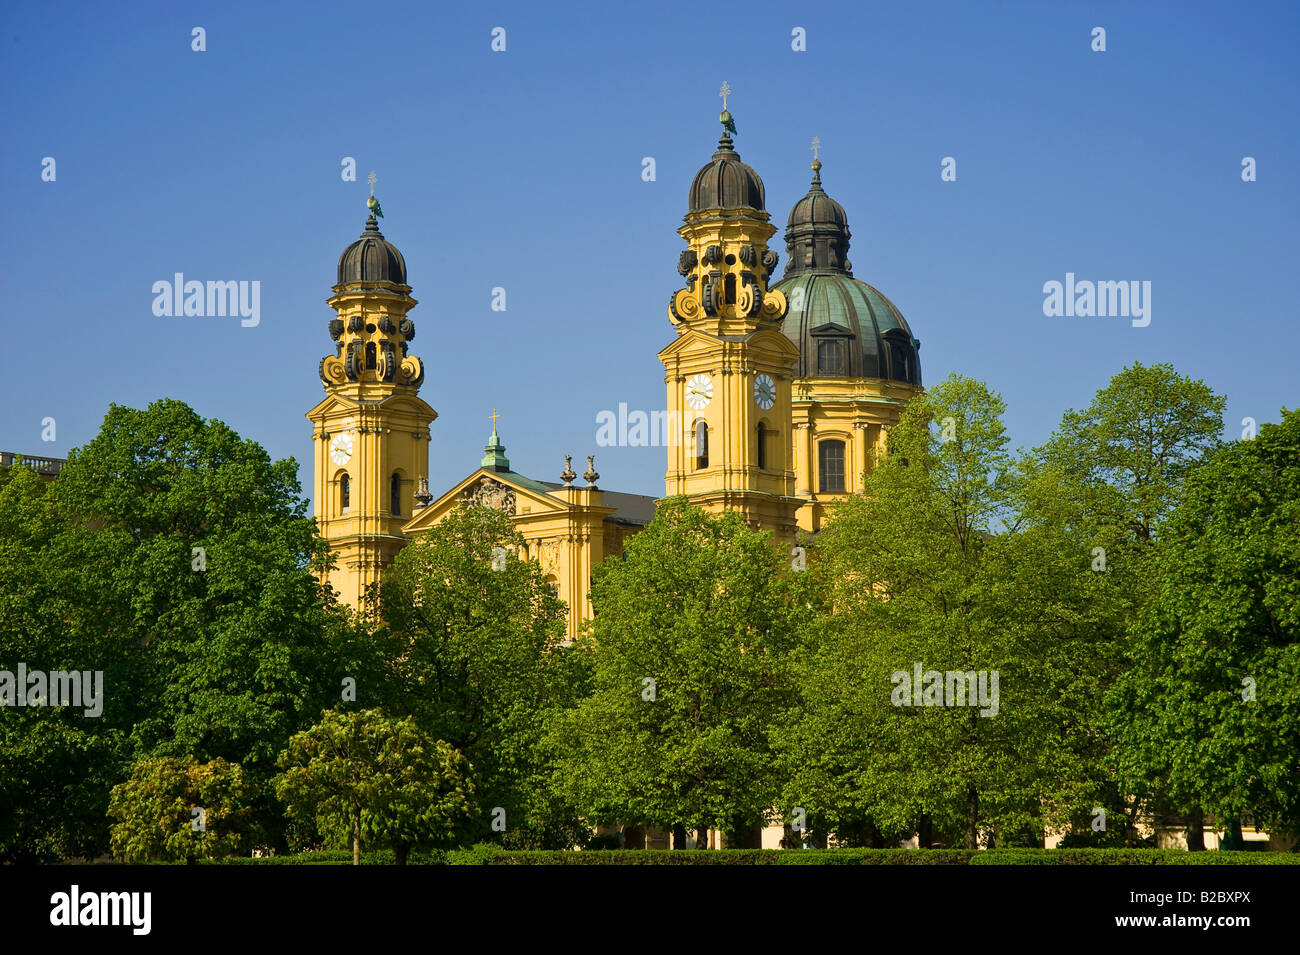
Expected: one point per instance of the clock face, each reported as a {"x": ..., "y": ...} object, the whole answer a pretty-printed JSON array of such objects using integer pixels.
[
  {"x": 699, "y": 391},
  {"x": 341, "y": 448},
  {"x": 764, "y": 392}
]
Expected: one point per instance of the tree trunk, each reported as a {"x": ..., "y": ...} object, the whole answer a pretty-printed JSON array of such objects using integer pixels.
[
  {"x": 400, "y": 851},
  {"x": 1196, "y": 830},
  {"x": 679, "y": 836},
  {"x": 702, "y": 837},
  {"x": 972, "y": 818},
  {"x": 924, "y": 833},
  {"x": 633, "y": 837},
  {"x": 356, "y": 840},
  {"x": 1232, "y": 838}
]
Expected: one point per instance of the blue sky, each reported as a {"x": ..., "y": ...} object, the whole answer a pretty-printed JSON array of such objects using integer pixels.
[{"x": 522, "y": 170}]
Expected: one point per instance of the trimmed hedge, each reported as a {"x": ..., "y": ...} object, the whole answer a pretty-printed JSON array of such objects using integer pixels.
[{"x": 491, "y": 855}]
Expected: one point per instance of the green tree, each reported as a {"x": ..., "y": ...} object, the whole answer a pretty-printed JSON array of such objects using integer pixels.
[
  {"x": 1116, "y": 470},
  {"x": 1131, "y": 448},
  {"x": 947, "y": 561},
  {"x": 691, "y": 645},
  {"x": 365, "y": 776},
  {"x": 476, "y": 640},
  {"x": 1211, "y": 704},
  {"x": 57, "y": 764},
  {"x": 180, "y": 809},
  {"x": 176, "y": 558}
]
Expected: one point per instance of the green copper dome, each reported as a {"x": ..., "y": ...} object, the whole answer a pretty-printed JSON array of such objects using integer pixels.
[{"x": 847, "y": 329}]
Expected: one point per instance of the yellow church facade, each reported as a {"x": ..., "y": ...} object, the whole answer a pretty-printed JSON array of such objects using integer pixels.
[{"x": 780, "y": 393}]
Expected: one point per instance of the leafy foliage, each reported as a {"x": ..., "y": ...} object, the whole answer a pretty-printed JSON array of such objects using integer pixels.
[
  {"x": 155, "y": 810},
  {"x": 1212, "y": 702},
  {"x": 475, "y": 644},
  {"x": 701, "y": 606},
  {"x": 364, "y": 776}
]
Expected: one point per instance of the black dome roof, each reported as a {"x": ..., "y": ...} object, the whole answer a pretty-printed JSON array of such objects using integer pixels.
[
  {"x": 726, "y": 183},
  {"x": 372, "y": 258}
]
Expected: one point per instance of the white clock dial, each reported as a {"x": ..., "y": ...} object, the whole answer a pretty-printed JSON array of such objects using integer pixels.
[
  {"x": 341, "y": 448},
  {"x": 699, "y": 391},
  {"x": 764, "y": 392}
]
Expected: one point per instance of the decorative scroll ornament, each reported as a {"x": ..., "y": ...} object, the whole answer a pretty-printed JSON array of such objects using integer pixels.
[
  {"x": 774, "y": 305},
  {"x": 331, "y": 370},
  {"x": 490, "y": 493},
  {"x": 387, "y": 365},
  {"x": 412, "y": 372},
  {"x": 355, "y": 363},
  {"x": 684, "y": 306}
]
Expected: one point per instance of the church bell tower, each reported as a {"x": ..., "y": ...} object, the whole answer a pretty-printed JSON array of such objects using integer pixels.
[
  {"x": 729, "y": 373},
  {"x": 371, "y": 432}
]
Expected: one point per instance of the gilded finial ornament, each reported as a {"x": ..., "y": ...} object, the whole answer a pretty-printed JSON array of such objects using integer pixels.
[
  {"x": 494, "y": 417},
  {"x": 372, "y": 203},
  {"x": 724, "y": 117},
  {"x": 816, "y": 145}
]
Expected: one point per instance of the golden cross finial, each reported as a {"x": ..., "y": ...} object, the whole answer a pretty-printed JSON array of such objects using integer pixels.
[
  {"x": 494, "y": 417},
  {"x": 724, "y": 93},
  {"x": 372, "y": 179},
  {"x": 816, "y": 145}
]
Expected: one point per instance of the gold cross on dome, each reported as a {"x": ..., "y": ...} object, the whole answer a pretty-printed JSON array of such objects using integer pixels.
[
  {"x": 724, "y": 93},
  {"x": 372, "y": 179},
  {"x": 816, "y": 145},
  {"x": 494, "y": 417}
]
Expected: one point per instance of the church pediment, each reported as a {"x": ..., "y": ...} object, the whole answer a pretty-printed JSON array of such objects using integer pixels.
[
  {"x": 485, "y": 489},
  {"x": 831, "y": 329}
]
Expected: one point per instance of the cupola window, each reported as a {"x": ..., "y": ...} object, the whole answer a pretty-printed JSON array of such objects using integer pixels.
[
  {"x": 830, "y": 357},
  {"x": 345, "y": 494},
  {"x": 395, "y": 495}
]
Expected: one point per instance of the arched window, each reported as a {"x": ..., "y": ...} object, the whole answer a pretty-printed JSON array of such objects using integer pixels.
[
  {"x": 830, "y": 466},
  {"x": 762, "y": 445},
  {"x": 370, "y": 355},
  {"x": 701, "y": 445},
  {"x": 729, "y": 289},
  {"x": 830, "y": 357},
  {"x": 395, "y": 496},
  {"x": 345, "y": 493}
]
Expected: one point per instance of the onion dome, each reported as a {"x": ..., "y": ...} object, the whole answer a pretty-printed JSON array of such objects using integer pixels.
[
  {"x": 372, "y": 258},
  {"x": 726, "y": 183},
  {"x": 817, "y": 232},
  {"x": 846, "y": 328}
]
